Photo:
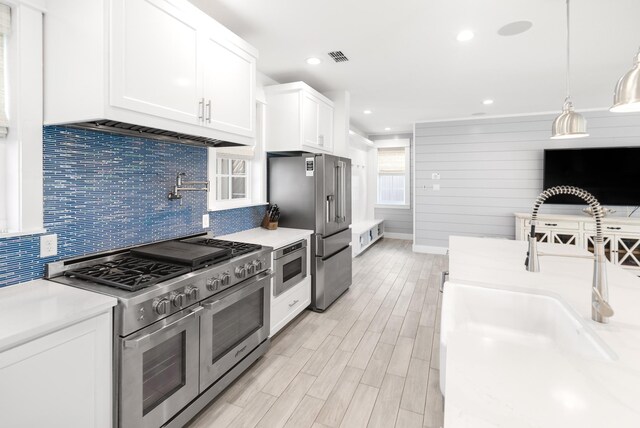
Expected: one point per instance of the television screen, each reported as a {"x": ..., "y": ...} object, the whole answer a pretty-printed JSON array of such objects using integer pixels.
[{"x": 612, "y": 175}]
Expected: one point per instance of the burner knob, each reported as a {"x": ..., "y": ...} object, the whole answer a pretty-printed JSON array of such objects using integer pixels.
[
  {"x": 250, "y": 268},
  {"x": 226, "y": 279},
  {"x": 178, "y": 299},
  {"x": 240, "y": 272},
  {"x": 193, "y": 293},
  {"x": 257, "y": 264},
  {"x": 213, "y": 284},
  {"x": 161, "y": 307}
]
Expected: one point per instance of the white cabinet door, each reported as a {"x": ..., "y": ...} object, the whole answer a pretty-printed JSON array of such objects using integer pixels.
[
  {"x": 310, "y": 111},
  {"x": 229, "y": 86},
  {"x": 154, "y": 60},
  {"x": 63, "y": 379},
  {"x": 325, "y": 126}
]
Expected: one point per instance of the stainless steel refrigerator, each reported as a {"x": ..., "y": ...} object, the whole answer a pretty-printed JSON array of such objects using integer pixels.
[{"x": 314, "y": 192}]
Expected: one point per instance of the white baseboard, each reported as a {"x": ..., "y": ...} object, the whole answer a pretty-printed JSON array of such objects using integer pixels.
[
  {"x": 429, "y": 249},
  {"x": 405, "y": 236}
]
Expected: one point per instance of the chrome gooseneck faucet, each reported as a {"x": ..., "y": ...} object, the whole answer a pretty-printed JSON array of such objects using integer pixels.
[{"x": 600, "y": 308}]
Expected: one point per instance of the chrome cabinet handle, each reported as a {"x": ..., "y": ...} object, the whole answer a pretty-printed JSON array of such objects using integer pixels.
[
  {"x": 293, "y": 303},
  {"x": 551, "y": 224},
  {"x": 613, "y": 228},
  {"x": 201, "y": 109},
  {"x": 209, "y": 111}
]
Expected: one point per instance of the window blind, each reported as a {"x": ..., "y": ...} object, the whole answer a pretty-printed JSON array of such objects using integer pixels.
[
  {"x": 236, "y": 152},
  {"x": 391, "y": 160},
  {"x": 5, "y": 30}
]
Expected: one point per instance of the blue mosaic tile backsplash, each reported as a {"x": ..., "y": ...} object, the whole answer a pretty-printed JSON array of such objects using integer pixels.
[{"x": 103, "y": 191}]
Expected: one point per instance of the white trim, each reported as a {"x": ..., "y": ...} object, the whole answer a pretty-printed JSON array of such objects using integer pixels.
[
  {"x": 234, "y": 206},
  {"x": 395, "y": 142},
  {"x": 502, "y": 116},
  {"x": 429, "y": 249},
  {"x": 23, "y": 233},
  {"x": 393, "y": 207},
  {"x": 413, "y": 183},
  {"x": 403, "y": 236}
]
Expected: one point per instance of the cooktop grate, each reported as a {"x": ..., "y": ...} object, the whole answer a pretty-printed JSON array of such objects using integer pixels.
[{"x": 129, "y": 273}]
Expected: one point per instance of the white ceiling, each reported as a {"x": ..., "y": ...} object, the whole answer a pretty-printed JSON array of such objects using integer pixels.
[{"x": 406, "y": 65}]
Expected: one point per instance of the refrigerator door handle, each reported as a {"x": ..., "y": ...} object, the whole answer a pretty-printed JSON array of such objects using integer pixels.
[
  {"x": 328, "y": 207},
  {"x": 341, "y": 216}
]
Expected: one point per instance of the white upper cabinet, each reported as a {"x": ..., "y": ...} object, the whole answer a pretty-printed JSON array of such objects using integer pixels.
[
  {"x": 155, "y": 66},
  {"x": 299, "y": 118},
  {"x": 229, "y": 86},
  {"x": 156, "y": 63}
]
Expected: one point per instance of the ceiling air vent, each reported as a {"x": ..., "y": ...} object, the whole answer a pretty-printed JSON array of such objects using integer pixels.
[{"x": 338, "y": 56}]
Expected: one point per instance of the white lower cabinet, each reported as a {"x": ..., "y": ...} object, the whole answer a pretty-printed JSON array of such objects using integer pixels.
[
  {"x": 289, "y": 304},
  {"x": 62, "y": 379}
]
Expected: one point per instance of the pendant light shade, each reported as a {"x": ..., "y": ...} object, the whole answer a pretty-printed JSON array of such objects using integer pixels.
[
  {"x": 569, "y": 124},
  {"x": 626, "y": 98}
]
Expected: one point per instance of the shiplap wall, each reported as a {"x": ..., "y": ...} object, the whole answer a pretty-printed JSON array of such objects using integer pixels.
[
  {"x": 491, "y": 168},
  {"x": 396, "y": 220}
]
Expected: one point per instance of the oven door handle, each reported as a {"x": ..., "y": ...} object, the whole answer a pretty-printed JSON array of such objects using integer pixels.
[
  {"x": 235, "y": 295},
  {"x": 135, "y": 343}
]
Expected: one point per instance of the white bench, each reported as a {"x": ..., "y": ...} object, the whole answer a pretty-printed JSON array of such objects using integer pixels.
[{"x": 365, "y": 233}]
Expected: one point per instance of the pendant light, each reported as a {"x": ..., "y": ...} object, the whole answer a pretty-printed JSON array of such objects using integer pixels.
[
  {"x": 626, "y": 98},
  {"x": 568, "y": 124}
]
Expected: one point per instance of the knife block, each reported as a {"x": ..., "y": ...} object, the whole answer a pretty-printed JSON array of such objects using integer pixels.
[{"x": 268, "y": 224}]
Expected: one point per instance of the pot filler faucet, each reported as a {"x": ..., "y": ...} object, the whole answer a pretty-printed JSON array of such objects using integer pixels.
[
  {"x": 600, "y": 308},
  {"x": 175, "y": 193}
]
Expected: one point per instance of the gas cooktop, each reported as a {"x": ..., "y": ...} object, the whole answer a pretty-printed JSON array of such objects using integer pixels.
[
  {"x": 129, "y": 273},
  {"x": 237, "y": 248}
]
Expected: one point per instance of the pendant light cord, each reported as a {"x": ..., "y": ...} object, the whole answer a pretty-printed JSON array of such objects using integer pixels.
[{"x": 568, "y": 52}]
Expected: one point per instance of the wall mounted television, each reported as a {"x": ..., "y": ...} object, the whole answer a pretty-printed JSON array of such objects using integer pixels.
[{"x": 612, "y": 174}]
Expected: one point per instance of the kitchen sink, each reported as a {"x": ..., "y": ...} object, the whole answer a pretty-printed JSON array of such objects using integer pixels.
[{"x": 522, "y": 318}]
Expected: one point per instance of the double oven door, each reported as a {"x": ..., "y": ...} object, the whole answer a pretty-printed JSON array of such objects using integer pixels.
[
  {"x": 168, "y": 364},
  {"x": 159, "y": 370},
  {"x": 232, "y": 324}
]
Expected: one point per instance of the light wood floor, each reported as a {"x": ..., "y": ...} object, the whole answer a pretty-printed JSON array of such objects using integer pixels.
[{"x": 370, "y": 360}]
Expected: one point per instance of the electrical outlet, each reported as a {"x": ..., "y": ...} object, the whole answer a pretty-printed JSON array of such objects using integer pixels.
[
  {"x": 205, "y": 221},
  {"x": 436, "y": 187},
  {"x": 48, "y": 245},
  {"x": 435, "y": 176}
]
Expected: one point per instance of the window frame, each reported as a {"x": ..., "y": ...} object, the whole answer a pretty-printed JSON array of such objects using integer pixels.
[
  {"x": 405, "y": 144},
  {"x": 230, "y": 176},
  {"x": 23, "y": 176}
]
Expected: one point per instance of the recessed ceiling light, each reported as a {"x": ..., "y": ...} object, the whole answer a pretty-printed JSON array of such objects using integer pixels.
[
  {"x": 387, "y": 129},
  {"x": 465, "y": 35},
  {"x": 351, "y": 132},
  {"x": 313, "y": 61},
  {"x": 367, "y": 112},
  {"x": 487, "y": 102},
  {"x": 515, "y": 28}
]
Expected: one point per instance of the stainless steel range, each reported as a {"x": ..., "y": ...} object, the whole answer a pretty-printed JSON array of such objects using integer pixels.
[{"x": 192, "y": 315}]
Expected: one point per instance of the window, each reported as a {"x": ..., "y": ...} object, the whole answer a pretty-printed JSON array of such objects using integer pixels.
[
  {"x": 232, "y": 179},
  {"x": 5, "y": 29},
  {"x": 238, "y": 174},
  {"x": 393, "y": 173}
]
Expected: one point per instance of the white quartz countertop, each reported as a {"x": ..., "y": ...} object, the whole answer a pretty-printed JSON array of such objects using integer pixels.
[
  {"x": 504, "y": 384},
  {"x": 36, "y": 308},
  {"x": 270, "y": 238}
]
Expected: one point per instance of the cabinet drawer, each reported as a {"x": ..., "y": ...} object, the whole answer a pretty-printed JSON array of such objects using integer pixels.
[
  {"x": 286, "y": 306},
  {"x": 614, "y": 228},
  {"x": 555, "y": 224}
]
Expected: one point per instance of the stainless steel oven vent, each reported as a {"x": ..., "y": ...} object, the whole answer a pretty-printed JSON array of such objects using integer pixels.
[
  {"x": 128, "y": 129},
  {"x": 338, "y": 56}
]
